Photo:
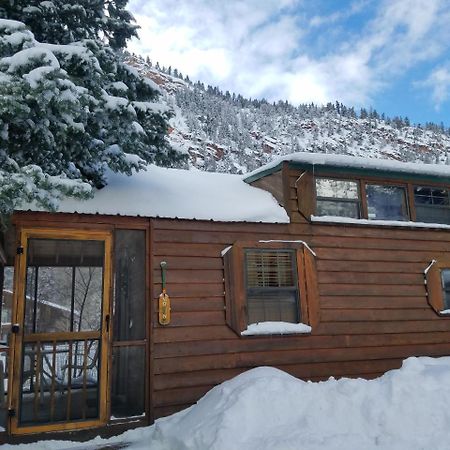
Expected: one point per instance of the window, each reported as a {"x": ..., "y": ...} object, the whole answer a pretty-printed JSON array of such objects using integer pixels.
[
  {"x": 432, "y": 204},
  {"x": 337, "y": 198},
  {"x": 437, "y": 276},
  {"x": 270, "y": 282},
  {"x": 386, "y": 202},
  {"x": 271, "y": 286}
]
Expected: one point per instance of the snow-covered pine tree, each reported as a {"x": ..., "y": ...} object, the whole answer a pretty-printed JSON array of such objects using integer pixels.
[
  {"x": 63, "y": 22},
  {"x": 71, "y": 110}
]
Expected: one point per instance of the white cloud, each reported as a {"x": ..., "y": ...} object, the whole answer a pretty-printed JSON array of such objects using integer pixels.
[
  {"x": 439, "y": 83},
  {"x": 266, "y": 48}
]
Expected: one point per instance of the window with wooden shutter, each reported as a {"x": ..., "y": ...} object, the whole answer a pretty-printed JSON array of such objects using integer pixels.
[{"x": 270, "y": 282}]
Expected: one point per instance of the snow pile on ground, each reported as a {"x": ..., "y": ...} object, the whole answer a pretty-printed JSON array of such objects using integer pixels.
[
  {"x": 266, "y": 408},
  {"x": 186, "y": 194}
]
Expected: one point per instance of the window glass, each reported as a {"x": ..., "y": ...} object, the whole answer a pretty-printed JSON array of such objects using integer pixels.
[
  {"x": 129, "y": 294},
  {"x": 271, "y": 280},
  {"x": 340, "y": 189},
  {"x": 340, "y": 209},
  {"x": 386, "y": 202},
  {"x": 128, "y": 385},
  {"x": 445, "y": 277},
  {"x": 337, "y": 198},
  {"x": 432, "y": 204},
  {"x": 64, "y": 285}
]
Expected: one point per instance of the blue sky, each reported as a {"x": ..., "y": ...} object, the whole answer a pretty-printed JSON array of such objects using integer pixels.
[{"x": 391, "y": 55}]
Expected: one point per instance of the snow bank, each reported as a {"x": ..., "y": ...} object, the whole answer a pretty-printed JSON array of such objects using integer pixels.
[
  {"x": 187, "y": 194},
  {"x": 385, "y": 165},
  {"x": 267, "y": 409}
]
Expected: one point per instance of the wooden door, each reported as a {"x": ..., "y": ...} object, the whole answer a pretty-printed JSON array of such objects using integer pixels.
[{"x": 60, "y": 338}]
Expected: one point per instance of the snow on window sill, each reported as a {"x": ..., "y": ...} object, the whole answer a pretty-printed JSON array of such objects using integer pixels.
[
  {"x": 445, "y": 312},
  {"x": 394, "y": 223},
  {"x": 265, "y": 328}
]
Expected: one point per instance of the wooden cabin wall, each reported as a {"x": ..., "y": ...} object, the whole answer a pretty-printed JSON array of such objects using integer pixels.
[{"x": 373, "y": 306}]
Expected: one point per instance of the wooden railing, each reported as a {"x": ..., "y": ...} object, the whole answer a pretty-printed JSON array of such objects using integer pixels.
[{"x": 58, "y": 372}]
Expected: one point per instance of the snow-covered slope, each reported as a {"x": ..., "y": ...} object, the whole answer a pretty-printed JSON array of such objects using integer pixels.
[{"x": 225, "y": 132}]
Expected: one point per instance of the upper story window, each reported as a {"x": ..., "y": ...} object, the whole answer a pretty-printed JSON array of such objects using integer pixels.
[
  {"x": 432, "y": 204},
  {"x": 386, "y": 202},
  {"x": 337, "y": 198}
]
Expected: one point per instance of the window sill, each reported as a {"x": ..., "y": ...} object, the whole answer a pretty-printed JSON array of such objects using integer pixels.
[
  {"x": 445, "y": 312},
  {"x": 390, "y": 223},
  {"x": 270, "y": 328}
]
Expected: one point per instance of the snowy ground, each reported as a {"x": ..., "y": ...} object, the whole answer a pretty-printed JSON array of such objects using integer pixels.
[{"x": 264, "y": 408}]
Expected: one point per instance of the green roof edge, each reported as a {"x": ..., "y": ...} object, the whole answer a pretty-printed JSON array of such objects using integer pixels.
[
  {"x": 264, "y": 173},
  {"x": 343, "y": 170}
]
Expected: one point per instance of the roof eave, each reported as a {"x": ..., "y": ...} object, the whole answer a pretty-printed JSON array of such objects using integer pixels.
[{"x": 346, "y": 170}]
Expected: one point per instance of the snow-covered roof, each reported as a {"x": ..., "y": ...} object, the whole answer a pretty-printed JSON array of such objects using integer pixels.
[
  {"x": 352, "y": 164},
  {"x": 176, "y": 193}
]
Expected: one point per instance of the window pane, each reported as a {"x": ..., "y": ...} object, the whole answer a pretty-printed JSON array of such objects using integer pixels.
[
  {"x": 337, "y": 208},
  {"x": 271, "y": 280},
  {"x": 270, "y": 268},
  {"x": 430, "y": 195},
  {"x": 445, "y": 276},
  {"x": 432, "y": 205},
  {"x": 272, "y": 306},
  {"x": 432, "y": 214},
  {"x": 128, "y": 381},
  {"x": 129, "y": 295},
  {"x": 326, "y": 187},
  {"x": 386, "y": 202}
]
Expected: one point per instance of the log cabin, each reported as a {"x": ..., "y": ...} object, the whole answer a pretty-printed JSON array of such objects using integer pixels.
[{"x": 172, "y": 282}]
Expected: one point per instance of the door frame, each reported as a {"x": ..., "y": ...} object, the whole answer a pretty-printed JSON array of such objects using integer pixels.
[{"x": 16, "y": 344}]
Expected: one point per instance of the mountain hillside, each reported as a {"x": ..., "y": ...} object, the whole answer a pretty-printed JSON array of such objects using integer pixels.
[{"x": 225, "y": 132}]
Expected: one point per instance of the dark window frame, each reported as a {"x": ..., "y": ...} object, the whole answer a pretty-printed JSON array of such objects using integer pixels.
[
  {"x": 403, "y": 186},
  {"x": 431, "y": 206},
  {"x": 235, "y": 288}
]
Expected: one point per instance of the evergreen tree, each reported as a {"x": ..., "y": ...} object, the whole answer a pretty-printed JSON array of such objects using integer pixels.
[
  {"x": 72, "y": 111},
  {"x": 63, "y": 22}
]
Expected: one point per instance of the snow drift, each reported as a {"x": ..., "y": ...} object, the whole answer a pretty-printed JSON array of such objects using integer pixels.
[{"x": 267, "y": 409}]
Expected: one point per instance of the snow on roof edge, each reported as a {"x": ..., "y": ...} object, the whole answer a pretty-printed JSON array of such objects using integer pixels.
[{"x": 351, "y": 162}]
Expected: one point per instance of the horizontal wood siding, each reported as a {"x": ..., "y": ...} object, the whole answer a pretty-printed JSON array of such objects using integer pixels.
[{"x": 373, "y": 306}]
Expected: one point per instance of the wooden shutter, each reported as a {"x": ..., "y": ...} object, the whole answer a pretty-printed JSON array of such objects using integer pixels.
[
  {"x": 306, "y": 195},
  {"x": 235, "y": 304},
  {"x": 434, "y": 287}
]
